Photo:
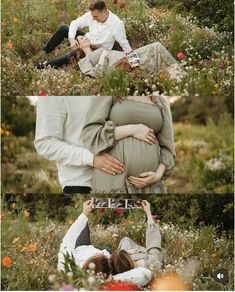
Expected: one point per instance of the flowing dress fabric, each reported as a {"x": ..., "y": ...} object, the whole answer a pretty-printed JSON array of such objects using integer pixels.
[
  {"x": 154, "y": 57},
  {"x": 98, "y": 136}
]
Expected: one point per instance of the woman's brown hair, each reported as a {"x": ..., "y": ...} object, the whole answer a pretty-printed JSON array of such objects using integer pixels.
[
  {"x": 101, "y": 262},
  {"x": 121, "y": 262}
]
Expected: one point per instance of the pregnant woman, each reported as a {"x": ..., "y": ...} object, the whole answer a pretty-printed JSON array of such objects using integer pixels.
[
  {"x": 138, "y": 131},
  {"x": 153, "y": 57}
]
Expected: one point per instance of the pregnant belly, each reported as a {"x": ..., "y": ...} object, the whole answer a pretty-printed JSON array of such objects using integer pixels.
[{"x": 137, "y": 156}]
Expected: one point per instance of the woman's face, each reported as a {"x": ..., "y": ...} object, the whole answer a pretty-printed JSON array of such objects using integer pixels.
[{"x": 83, "y": 42}]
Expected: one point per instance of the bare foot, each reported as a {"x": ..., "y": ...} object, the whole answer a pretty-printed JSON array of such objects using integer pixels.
[{"x": 57, "y": 52}]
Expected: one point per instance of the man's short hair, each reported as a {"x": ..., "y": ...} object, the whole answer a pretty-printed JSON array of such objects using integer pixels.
[
  {"x": 98, "y": 5},
  {"x": 101, "y": 264}
]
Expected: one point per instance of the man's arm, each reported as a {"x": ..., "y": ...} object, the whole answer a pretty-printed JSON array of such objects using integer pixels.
[
  {"x": 120, "y": 37},
  {"x": 76, "y": 228},
  {"x": 80, "y": 22},
  {"x": 51, "y": 116}
]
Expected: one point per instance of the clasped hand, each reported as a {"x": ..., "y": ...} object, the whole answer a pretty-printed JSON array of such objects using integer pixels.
[{"x": 145, "y": 179}]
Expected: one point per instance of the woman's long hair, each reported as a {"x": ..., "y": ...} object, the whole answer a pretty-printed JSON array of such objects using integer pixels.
[{"x": 121, "y": 262}]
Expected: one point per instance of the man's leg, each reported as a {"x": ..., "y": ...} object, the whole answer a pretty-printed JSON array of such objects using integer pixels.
[
  {"x": 58, "y": 37},
  {"x": 84, "y": 237}
]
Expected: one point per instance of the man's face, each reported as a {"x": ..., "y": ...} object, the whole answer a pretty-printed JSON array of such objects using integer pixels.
[{"x": 99, "y": 16}]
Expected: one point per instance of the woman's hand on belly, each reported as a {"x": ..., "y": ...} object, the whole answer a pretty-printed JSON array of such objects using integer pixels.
[
  {"x": 148, "y": 178},
  {"x": 144, "y": 133},
  {"x": 139, "y": 131}
]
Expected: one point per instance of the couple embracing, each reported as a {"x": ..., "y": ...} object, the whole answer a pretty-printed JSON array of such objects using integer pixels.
[
  {"x": 107, "y": 144},
  {"x": 94, "y": 51},
  {"x": 130, "y": 262}
]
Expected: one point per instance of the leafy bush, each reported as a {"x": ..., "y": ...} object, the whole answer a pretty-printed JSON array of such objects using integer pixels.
[
  {"x": 208, "y": 159},
  {"x": 208, "y": 12},
  {"x": 18, "y": 115}
]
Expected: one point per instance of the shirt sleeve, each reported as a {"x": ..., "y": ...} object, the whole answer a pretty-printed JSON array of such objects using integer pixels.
[
  {"x": 98, "y": 132},
  {"x": 51, "y": 117},
  {"x": 166, "y": 138},
  {"x": 74, "y": 231},
  {"x": 139, "y": 276},
  {"x": 120, "y": 37},
  {"x": 80, "y": 22},
  {"x": 69, "y": 240}
]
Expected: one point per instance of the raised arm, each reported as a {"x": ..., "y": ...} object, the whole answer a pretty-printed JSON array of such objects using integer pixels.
[
  {"x": 51, "y": 116},
  {"x": 69, "y": 240}
]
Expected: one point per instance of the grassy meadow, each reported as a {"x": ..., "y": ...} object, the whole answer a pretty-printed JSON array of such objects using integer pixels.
[
  {"x": 34, "y": 225},
  {"x": 27, "y": 26}
]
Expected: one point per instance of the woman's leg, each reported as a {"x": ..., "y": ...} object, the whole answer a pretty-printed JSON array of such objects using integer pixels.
[
  {"x": 57, "y": 62},
  {"x": 58, "y": 37},
  {"x": 84, "y": 237}
]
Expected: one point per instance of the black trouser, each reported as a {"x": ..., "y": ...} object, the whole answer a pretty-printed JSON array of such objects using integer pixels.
[
  {"x": 58, "y": 37},
  {"x": 76, "y": 190},
  {"x": 58, "y": 62},
  {"x": 84, "y": 239}
]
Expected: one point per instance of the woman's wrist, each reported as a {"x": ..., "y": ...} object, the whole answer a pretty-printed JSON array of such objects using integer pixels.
[
  {"x": 160, "y": 171},
  {"x": 121, "y": 132}
]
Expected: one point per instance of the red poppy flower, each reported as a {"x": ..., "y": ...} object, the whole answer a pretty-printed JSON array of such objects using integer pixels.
[
  {"x": 120, "y": 286},
  {"x": 180, "y": 55},
  {"x": 122, "y": 6},
  {"x": 119, "y": 212},
  {"x": 101, "y": 210},
  {"x": 93, "y": 90},
  {"x": 42, "y": 93},
  {"x": 115, "y": 1}
]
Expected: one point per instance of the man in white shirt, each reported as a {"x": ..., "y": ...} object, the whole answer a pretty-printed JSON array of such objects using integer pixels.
[
  {"x": 58, "y": 127},
  {"x": 104, "y": 29},
  {"x": 76, "y": 243}
]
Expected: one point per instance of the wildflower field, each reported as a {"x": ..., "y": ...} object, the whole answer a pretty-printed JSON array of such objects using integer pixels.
[
  {"x": 199, "y": 228},
  {"x": 205, "y": 53}
]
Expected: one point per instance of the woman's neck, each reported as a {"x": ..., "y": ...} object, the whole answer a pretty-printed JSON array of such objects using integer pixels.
[{"x": 87, "y": 50}]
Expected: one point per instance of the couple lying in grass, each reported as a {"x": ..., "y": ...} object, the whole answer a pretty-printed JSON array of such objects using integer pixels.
[{"x": 130, "y": 262}]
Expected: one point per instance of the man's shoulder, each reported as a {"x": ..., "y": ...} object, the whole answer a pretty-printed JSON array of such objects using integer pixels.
[
  {"x": 87, "y": 15},
  {"x": 115, "y": 18}
]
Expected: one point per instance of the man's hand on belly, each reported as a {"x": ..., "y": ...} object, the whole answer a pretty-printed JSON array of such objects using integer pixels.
[{"x": 108, "y": 163}]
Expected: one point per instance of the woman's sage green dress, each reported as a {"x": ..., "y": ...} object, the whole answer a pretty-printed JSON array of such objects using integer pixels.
[
  {"x": 153, "y": 57},
  {"x": 137, "y": 156}
]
